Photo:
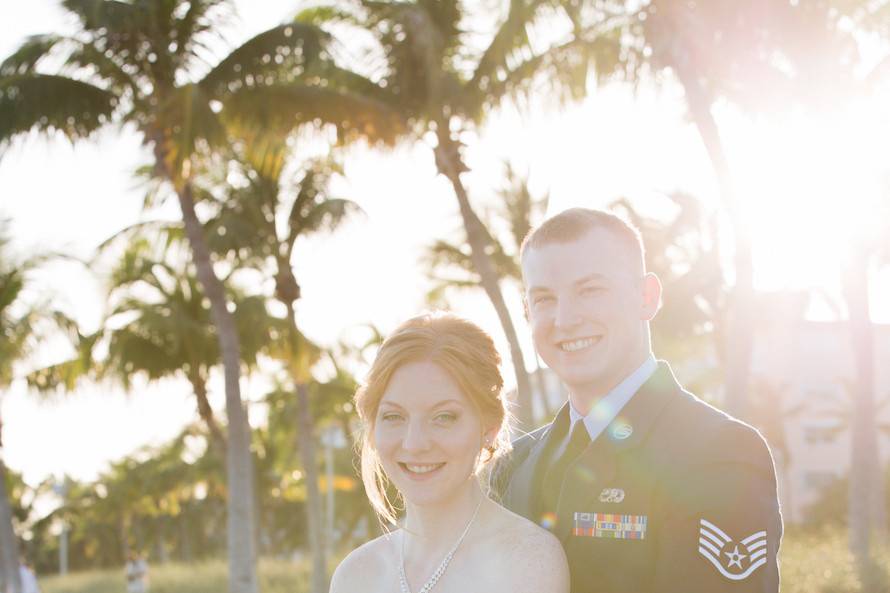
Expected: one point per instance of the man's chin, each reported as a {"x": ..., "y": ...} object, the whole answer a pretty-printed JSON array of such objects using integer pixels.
[{"x": 580, "y": 380}]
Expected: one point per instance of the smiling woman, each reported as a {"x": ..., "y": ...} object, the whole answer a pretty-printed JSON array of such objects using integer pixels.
[
  {"x": 435, "y": 377},
  {"x": 433, "y": 417}
]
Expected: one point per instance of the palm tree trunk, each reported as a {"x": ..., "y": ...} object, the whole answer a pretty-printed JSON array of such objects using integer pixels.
[
  {"x": 9, "y": 554},
  {"x": 242, "y": 558},
  {"x": 199, "y": 386},
  {"x": 306, "y": 445},
  {"x": 313, "y": 496},
  {"x": 866, "y": 477},
  {"x": 740, "y": 332},
  {"x": 449, "y": 164}
]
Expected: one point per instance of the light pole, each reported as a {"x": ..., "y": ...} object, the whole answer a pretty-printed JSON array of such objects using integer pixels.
[
  {"x": 331, "y": 438},
  {"x": 60, "y": 487}
]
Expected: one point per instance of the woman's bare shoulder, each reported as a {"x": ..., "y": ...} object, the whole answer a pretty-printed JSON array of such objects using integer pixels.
[
  {"x": 513, "y": 526},
  {"x": 364, "y": 565},
  {"x": 535, "y": 556}
]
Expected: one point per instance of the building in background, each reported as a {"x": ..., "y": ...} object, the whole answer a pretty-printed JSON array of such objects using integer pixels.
[{"x": 803, "y": 374}]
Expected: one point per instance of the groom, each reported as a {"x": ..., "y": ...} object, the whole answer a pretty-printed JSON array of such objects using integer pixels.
[{"x": 648, "y": 488}]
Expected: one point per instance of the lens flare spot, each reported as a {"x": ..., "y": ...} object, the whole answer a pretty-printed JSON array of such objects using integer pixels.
[{"x": 548, "y": 520}]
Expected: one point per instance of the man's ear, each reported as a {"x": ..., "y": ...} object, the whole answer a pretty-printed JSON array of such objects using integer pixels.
[{"x": 651, "y": 296}]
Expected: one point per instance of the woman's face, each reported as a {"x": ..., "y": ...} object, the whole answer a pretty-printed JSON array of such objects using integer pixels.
[{"x": 427, "y": 433}]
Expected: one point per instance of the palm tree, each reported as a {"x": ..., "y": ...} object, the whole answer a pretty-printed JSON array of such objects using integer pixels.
[
  {"x": 260, "y": 223},
  {"x": 868, "y": 247},
  {"x": 682, "y": 251},
  {"x": 16, "y": 330},
  {"x": 516, "y": 212},
  {"x": 866, "y": 485},
  {"x": 138, "y": 501},
  {"x": 450, "y": 265},
  {"x": 445, "y": 80},
  {"x": 22, "y": 325},
  {"x": 159, "y": 325},
  {"x": 141, "y": 63},
  {"x": 771, "y": 413}
]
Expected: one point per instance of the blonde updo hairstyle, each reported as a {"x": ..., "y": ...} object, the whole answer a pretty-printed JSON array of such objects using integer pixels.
[{"x": 463, "y": 350}]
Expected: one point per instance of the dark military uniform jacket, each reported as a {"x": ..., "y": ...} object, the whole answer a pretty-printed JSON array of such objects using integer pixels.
[{"x": 673, "y": 496}]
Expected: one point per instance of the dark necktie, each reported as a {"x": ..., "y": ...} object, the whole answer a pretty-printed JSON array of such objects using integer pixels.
[{"x": 569, "y": 451}]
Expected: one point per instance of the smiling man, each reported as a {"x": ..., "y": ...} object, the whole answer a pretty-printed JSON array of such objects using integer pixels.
[{"x": 647, "y": 487}]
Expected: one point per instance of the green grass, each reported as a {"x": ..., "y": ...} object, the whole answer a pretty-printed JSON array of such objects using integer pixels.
[
  {"x": 812, "y": 562},
  {"x": 276, "y": 576},
  {"x": 820, "y": 562}
]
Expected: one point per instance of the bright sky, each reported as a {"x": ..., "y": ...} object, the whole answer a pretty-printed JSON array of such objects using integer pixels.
[{"x": 69, "y": 199}]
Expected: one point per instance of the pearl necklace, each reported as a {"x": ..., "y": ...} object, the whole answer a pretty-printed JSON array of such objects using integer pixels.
[{"x": 403, "y": 581}]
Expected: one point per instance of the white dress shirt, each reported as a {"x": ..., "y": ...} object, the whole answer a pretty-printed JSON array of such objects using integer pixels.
[{"x": 610, "y": 405}]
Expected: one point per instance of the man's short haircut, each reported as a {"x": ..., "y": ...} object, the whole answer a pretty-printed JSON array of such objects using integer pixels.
[{"x": 572, "y": 224}]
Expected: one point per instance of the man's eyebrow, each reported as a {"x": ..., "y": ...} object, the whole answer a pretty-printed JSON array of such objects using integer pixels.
[
  {"x": 594, "y": 277},
  {"x": 390, "y": 404}
]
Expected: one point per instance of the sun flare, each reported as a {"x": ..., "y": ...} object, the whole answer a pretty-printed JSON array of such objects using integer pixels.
[{"x": 809, "y": 186}]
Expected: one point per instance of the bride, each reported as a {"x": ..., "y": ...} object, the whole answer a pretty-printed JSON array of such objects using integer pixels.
[{"x": 433, "y": 419}]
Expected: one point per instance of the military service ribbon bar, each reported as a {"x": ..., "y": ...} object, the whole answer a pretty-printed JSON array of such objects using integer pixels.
[{"x": 610, "y": 525}]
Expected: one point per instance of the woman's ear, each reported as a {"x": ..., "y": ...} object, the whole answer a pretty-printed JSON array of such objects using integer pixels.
[{"x": 489, "y": 437}]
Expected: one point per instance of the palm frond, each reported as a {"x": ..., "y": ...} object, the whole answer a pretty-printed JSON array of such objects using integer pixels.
[
  {"x": 255, "y": 326},
  {"x": 65, "y": 375},
  {"x": 11, "y": 284},
  {"x": 510, "y": 38},
  {"x": 25, "y": 59},
  {"x": 265, "y": 152},
  {"x": 197, "y": 20},
  {"x": 299, "y": 357},
  {"x": 241, "y": 229},
  {"x": 348, "y": 81},
  {"x": 130, "y": 232},
  {"x": 328, "y": 214},
  {"x": 518, "y": 207},
  {"x": 113, "y": 18},
  {"x": 86, "y": 56},
  {"x": 140, "y": 349},
  {"x": 443, "y": 254},
  {"x": 282, "y": 51},
  {"x": 17, "y": 333},
  {"x": 46, "y": 103},
  {"x": 561, "y": 68},
  {"x": 123, "y": 28},
  {"x": 137, "y": 265},
  {"x": 326, "y": 15},
  {"x": 61, "y": 376},
  {"x": 190, "y": 125},
  {"x": 282, "y": 108}
]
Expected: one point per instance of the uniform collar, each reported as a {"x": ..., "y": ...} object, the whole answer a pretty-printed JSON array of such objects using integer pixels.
[
  {"x": 607, "y": 408},
  {"x": 626, "y": 431}
]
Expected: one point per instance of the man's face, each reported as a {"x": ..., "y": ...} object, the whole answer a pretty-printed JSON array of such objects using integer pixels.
[{"x": 588, "y": 304}]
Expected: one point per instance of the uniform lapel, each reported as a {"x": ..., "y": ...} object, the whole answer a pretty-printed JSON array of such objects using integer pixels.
[
  {"x": 523, "y": 491},
  {"x": 583, "y": 481},
  {"x": 596, "y": 467}
]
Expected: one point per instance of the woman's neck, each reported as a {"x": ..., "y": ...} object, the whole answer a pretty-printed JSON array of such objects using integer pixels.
[{"x": 433, "y": 529}]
